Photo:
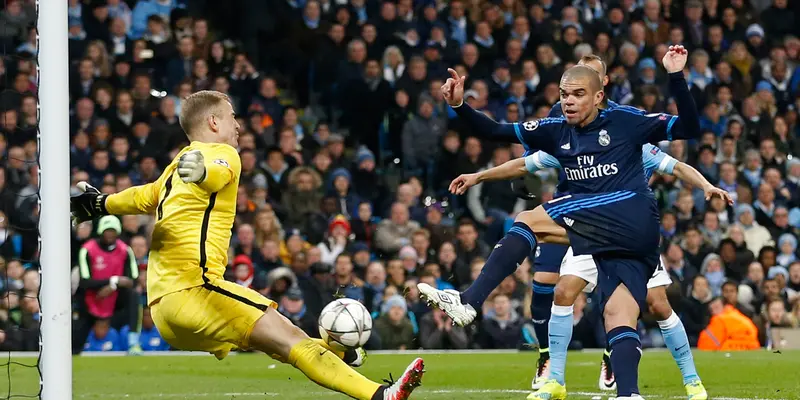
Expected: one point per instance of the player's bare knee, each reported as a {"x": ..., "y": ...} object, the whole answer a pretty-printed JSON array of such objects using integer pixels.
[
  {"x": 563, "y": 296},
  {"x": 658, "y": 303},
  {"x": 547, "y": 278},
  {"x": 616, "y": 317},
  {"x": 567, "y": 290},
  {"x": 527, "y": 217},
  {"x": 621, "y": 309},
  {"x": 545, "y": 229}
]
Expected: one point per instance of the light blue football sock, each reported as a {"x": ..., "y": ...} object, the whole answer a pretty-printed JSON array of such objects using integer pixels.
[
  {"x": 678, "y": 344},
  {"x": 560, "y": 336}
]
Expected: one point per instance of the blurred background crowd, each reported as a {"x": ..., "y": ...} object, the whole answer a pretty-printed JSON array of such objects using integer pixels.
[{"x": 347, "y": 149}]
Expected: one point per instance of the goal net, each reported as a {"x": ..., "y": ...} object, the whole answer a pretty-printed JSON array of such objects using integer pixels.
[{"x": 34, "y": 189}]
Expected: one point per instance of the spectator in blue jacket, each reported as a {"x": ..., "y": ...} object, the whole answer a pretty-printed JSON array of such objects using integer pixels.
[
  {"x": 103, "y": 337},
  {"x": 340, "y": 186},
  {"x": 149, "y": 337},
  {"x": 144, "y": 9}
]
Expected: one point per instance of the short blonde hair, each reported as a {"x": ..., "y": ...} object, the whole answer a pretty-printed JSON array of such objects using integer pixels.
[
  {"x": 592, "y": 57},
  {"x": 196, "y": 107}
]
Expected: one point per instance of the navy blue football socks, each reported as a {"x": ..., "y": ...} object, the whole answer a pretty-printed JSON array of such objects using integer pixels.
[
  {"x": 626, "y": 351},
  {"x": 541, "y": 303},
  {"x": 509, "y": 252}
]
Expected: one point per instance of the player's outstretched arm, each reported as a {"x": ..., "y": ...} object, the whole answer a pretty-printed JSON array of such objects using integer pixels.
[
  {"x": 687, "y": 173},
  {"x": 509, "y": 170},
  {"x": 687, "y": 125},
  {"x": 91, "y": 204},
  {"x": 481, "y": 125},
  {"x": 135, "y": 200}
]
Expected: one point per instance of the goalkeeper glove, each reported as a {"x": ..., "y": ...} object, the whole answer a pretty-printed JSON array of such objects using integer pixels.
[
  {"x": 191, "y": 167},
  {"x": 88, "y": 205}
]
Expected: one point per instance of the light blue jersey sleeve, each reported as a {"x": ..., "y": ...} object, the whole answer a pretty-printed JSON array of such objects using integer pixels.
[
  {"x": 654, "y": 159},
  {"x": 540, "y": 160}
]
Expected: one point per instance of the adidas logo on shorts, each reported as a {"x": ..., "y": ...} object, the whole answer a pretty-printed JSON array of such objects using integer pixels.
[{"x": 569, "y": 221}]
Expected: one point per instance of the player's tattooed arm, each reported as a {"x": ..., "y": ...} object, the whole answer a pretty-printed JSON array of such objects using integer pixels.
[
  {"x": 687, "y": 173},
  {"x": 509, "y": 170}
]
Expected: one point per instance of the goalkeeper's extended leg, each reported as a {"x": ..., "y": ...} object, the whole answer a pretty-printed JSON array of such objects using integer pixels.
[
  {"x": 275, "y": 335},
  {"x": 352, "y": 357}
]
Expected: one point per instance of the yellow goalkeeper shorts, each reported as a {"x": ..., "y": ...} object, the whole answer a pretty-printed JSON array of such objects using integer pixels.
[{"x": 215, "y": 317}]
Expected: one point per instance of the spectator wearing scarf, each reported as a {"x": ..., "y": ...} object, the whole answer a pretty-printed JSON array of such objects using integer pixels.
[
  {"x": 787, "y": 246},
  {"x": 458, "y": 26},
  {"x": 700, "y": 75},
  {"x": 714, "y": 273},
  {"x": 752, "y": 167}
]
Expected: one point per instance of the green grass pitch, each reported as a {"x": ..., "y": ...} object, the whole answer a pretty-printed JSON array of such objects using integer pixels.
[{"x": 732, "y": 376}]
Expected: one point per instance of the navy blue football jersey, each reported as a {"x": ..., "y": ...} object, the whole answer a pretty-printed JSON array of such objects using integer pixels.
[
  {"x": 606, "y": 154},
  {"x": 555, "y": 112}
]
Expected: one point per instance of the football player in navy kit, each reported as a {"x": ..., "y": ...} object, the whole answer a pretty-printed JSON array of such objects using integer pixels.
[
  {"x": 610, "y": 212},
  {"x": 579, "y": 273}
]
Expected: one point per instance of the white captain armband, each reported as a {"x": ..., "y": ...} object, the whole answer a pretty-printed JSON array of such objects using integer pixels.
[{"x": 540, "y": 160}]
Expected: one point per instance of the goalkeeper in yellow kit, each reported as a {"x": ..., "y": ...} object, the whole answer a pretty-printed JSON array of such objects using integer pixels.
[{"x": 194, "y": 308}]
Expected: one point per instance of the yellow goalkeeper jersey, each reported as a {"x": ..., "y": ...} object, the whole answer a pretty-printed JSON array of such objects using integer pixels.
[{"x": 193, "y": 225}]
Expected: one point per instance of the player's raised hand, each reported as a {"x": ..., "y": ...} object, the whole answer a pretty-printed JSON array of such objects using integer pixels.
[
  {"x": 462, "y": 183},
  {"x": 711, "y": 191},
  {"x": 191, "y": 167},
  {"x": 675, "y": 59},
  {"x": 88, "y": 205},
  {"x": 453, "y": 89},
  {"x": 447, "y": 87}
]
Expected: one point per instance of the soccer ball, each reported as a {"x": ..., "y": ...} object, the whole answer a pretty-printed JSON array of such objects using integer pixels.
[{"x": 345, "y": 323}]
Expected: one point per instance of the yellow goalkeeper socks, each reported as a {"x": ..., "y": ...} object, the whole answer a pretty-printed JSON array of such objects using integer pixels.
[
  {"x": 328, "y": 370},
  {"x": 339, "y": 353}
]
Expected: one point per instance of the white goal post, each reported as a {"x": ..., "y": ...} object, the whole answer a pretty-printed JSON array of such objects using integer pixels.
[{"x": 54, "y": 184}]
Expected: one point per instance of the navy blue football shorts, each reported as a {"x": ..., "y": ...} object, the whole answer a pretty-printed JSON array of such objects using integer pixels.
[
  {"x": 633, "y": 272},
  {"x": 621, "y": 222},
  {"x": 548, "y": 257}
]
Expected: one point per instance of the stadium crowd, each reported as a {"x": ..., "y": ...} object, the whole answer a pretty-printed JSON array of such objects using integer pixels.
[{"x": 348, "y": 147}]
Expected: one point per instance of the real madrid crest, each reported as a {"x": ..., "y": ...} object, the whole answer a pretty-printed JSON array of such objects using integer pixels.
[
  {"x": 604, "y": 139},
  {"x": 538, "y": 251}
]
